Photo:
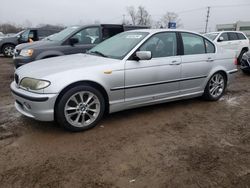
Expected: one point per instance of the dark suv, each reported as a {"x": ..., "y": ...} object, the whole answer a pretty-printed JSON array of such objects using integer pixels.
[
  {"x": 72, "y": 40},
  {"x": 7, "y": 44}
]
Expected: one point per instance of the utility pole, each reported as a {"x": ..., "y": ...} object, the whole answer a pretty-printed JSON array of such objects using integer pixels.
[
  {"x": 208, "y": 15},
  {"x": 123, "y": 19}
]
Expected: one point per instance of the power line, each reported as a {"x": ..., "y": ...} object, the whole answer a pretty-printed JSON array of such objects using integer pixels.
[{"x": 235, "y": 5}]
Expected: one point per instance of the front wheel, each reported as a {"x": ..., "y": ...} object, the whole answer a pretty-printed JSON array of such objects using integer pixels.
[
  {"x": 80, "y": 108},
  {"x": 215, "y": 87},
  {"x": 8, "y": 50}
]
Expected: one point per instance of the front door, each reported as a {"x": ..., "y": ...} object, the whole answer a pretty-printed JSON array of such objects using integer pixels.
[{"x": 155, "y": 79}]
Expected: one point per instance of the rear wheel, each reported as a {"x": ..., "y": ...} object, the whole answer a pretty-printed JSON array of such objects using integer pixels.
[
  {"x": 241, "y": 55},
  {"x": 80, "y": 108},
  {"x": 215, "y": 87},
  {"x": 8, "y": 50}
]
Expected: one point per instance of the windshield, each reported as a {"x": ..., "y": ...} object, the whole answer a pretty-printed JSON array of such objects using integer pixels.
[
  {"x": 17, "y": 34},
  {"x": 62, "y": 34},
  {"x": 118, "y": 46},
  {"x": 211, "y": 36}
]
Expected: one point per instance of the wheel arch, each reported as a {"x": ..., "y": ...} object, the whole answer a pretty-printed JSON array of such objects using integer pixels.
[
  {"x": 224, "y": 72},
  {"x": 7, "y": 43},
  {"x": 96, "y": 85},
  {"x": 246, "y": 49}
]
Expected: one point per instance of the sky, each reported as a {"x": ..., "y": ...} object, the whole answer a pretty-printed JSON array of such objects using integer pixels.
[{"x": 71, "y": 12}]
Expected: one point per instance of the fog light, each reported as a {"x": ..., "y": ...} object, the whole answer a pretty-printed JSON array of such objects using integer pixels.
[{"x": 27, "y": 106}]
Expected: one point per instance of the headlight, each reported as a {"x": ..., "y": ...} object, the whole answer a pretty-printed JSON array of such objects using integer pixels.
[
  {"x": 26, "y": 52},
  {"x": 34, "y": 84}
]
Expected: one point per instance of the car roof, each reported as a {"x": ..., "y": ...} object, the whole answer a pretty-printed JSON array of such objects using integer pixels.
[{"x": 153, "y": 31}]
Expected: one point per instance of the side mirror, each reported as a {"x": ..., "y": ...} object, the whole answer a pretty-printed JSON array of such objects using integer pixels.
[
  {"x": 220, "y": 39},
  {"x": 73, "y": 41},
  {"x": 144, "y": 55}
]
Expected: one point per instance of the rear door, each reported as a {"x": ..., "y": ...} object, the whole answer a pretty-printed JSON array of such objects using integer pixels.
[
  {"x": 199, "y": 53},
  {"x": 244, "y": 42},
  {"x": 87, "y": 38},
  {"x": 234, "y": 41}
]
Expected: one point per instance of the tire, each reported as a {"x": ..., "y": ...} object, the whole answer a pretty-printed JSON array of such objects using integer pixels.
[
  {"x": 246, "y": 72},
  {"x": 240, "y": 56},
  {"x": 8, "y": 50},
  {"x": 80, "y": 108},
  {"x": 215, "y": 87}
]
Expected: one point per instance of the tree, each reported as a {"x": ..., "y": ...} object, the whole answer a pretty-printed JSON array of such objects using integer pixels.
[
  {"x": 143, "y": 17},
  {"x": 138, "y": 17},
  {"x": 132, "y": 14},
  {"x": 9, "y": 28},
  {"x": 169, "y": 17}
]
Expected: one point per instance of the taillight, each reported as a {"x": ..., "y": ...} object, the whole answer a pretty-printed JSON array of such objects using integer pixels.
[{"x": 235, "y": 61}]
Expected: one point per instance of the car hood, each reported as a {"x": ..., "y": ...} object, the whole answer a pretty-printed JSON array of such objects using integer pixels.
[
  {"x": 51, "y": 66},
  {"x": 8, "y": 38},
  {"x": 37, "y": 44}
]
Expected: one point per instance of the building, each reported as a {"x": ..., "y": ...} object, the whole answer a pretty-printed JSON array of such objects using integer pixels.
[{"x": 238, "y": 26}]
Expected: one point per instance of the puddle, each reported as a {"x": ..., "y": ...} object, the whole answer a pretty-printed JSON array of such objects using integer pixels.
[{"x": 231, "y": 101}]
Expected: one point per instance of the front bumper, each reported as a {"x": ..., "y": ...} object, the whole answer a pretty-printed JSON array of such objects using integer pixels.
[
  {"x": 34, "y": 105},
  {"x": 20, "y": 60}
]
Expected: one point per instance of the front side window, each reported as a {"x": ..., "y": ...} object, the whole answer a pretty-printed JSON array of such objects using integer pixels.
[
  {"x": 88, "y": 35},
  {"x": 232, "y": 36},
  {"x": 119, "y": 46},
  {"x": 25, "y": 36},
  {"x": 161, "y": 45},
  {"x": 224, "y": 36},
  {"x": 193, "y": 44}
]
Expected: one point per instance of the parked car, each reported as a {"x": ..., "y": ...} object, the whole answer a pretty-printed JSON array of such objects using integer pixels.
[
  {"x": 130, "y": 70},
  {"x": 72, "y": 40},
  {"x": 8, "y": 43},
  {"x": 1, "y": 35},
  {"x": 233, "y": 40},
  {"x": 245, "y": 63}
]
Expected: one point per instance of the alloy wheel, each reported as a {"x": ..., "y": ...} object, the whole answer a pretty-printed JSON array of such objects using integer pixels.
[
  {"x": 82, "y": 109},
  {"x": 216, "y": 85},
  {"x": 9, "y": 51}
]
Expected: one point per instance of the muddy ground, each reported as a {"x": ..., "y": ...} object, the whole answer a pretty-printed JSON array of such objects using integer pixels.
[{"x": 191, "y": 143}]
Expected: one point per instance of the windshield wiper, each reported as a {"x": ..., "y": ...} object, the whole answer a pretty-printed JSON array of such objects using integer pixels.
[{"x": 98, "y": 53}]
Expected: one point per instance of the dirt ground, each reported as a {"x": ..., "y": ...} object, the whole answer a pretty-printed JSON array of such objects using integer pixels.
[{"x": 191, "y": 143}]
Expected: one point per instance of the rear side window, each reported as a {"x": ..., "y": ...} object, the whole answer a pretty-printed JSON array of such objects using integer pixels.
[
  {"x": 193, "y": 44},
  {"x": 209, "y": 47},
  {"x": 233, "y": 36},
  {"x": 42, "y": 33},
  {"x": 241, "y": 36},
  {"x": 110, "y": 32}
]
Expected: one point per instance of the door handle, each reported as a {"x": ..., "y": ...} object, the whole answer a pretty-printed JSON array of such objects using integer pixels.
[
  {"x": 210, "y": 59},
  {"x": 175, "y": 62}
]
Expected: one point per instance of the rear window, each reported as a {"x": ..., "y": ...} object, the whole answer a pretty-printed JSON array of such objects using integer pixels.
[
  {"x": 233, "y": 36},
  {"x": 211, "y": 36},
  {"x": 241, "y": 36}
]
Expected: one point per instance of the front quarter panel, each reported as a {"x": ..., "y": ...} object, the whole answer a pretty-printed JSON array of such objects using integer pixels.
[{"x": 108, "y": 76}]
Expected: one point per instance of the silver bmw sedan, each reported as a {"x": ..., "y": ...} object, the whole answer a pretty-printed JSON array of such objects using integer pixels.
[{"x": 130, "y": 70}]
